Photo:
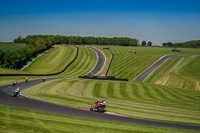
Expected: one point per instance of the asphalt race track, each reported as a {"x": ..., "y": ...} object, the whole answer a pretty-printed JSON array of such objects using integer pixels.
[
  {"x": 33, "y": 104},
  {"x": 100, "y": 62},
  {"x": 152, "y": 68}
]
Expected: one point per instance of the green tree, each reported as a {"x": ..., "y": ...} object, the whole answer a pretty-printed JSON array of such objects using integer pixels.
[
  {"x": 19, "y": 39},
  {"x": 164, "y": 44},
  {"x": 1, "y": 57},
  {"x": 149, "y": 43},
  {"x": 40, "y": 44},
  {"x": 144, "y": 43}
]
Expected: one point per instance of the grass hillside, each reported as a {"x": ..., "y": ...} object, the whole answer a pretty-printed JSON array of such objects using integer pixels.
[
  {"x": 192, "y": 69},
  {"x": 52, "y": 62},
  {"x": 84, "y": 63},
  {"x": 137, "y": 99},
  {"x": 185, "y": 75},
  {"x": 24, "y": 121},
  {"x": 129, "y": 65},
  {"x": 11, "y": 71},
  {"x": 163, "y": 68},
  {"x": 11, "y": 46}
]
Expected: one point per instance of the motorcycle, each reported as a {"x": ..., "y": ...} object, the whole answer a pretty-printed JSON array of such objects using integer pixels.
[
  {"x": 99, "y": 106},
  {"x": 14, "y": 83},
  {"x": 15, "y": 92}
]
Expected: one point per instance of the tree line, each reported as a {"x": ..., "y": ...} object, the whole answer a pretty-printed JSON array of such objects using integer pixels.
[
  {"x": 38, "y": 43},
  {"x": 18, "y": 58},
  {"x": 188, "y": 44},
  {"x": 58, "y": 39}
]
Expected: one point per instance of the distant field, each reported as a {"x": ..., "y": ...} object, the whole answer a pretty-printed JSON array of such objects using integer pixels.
[
  {"x": 16, "y": 120},
  {"x": 185, "y": 75},
  {"x": 137, "y": 99},
  {"x": 11, "y": 46}
]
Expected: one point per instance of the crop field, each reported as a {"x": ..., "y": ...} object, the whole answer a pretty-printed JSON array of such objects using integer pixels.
[
  {"x": 11, "y": 46},
  {"x": 137, "y": 99},
  {"x": 129, "y": 65},
  {"x": 23, "y": 121},
  {"x": 185, "y": 75}
]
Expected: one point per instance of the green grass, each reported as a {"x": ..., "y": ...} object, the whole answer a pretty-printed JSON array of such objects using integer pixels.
[
  {"x": 163, "y": 68},
  {"x": 185, "y": 75},
  {"x": 137, "y": 99},
  {"x": 10, "y": 71},
  {"x": 57, "y": 59},
  {"x": 129, "y": 65},
  {"x": 11, "y": 46},
  {"x": 18, "y": 120},
  {"x": 52, "y": 62},
  {"x": 84, "y": 63},
  {"x": 192, "y": 69}
]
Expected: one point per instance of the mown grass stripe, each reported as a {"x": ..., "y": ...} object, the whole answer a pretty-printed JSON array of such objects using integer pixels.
[
  {"x": 110, "y": 89},
  {"x": 123, "y": 90},
  {"x": 97, "y": 90}
]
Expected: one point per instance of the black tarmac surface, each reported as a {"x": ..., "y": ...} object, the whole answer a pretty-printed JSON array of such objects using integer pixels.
[
  {"x": 100, "y": 63},
  {"x": 152, "y": 68}
]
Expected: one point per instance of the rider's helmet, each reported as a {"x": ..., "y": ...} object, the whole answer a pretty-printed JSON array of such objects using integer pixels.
[{"x": 103, "y": 101}]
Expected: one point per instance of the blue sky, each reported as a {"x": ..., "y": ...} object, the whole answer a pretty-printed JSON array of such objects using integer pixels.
[{"x": 151, "y": 20}]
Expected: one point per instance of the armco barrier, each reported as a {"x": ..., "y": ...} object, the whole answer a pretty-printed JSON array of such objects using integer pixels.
[
  {"x": 45, "y": 74},
  {"x": 109, "y": 65},
  {"x": 103, "y": 78}
]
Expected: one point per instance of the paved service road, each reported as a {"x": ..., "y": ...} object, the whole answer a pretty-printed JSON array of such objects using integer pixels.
[
  {"x": 100, "y": 61},
  {"x": 152, "y": 68},
  {"x": 29, "y": 103}
]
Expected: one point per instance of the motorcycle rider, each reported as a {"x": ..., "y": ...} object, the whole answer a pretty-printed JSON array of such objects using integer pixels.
[
  {"x": 101, "y": 102},
  {"x": 14, "y": 83},
  {"x": 15, "y": 92}
]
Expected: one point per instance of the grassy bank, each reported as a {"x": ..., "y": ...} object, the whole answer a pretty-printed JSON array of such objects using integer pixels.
[
  {"x": 185, "y": 75},
  {"x": 137, "y": 99},
  {"x": 18, "y": 120},
  {"x": 129, "y": 65},
  {"x": 163, "y": 68},
  {"x": 52, "y": 62},
  {"x": 84, "y": 63}
]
